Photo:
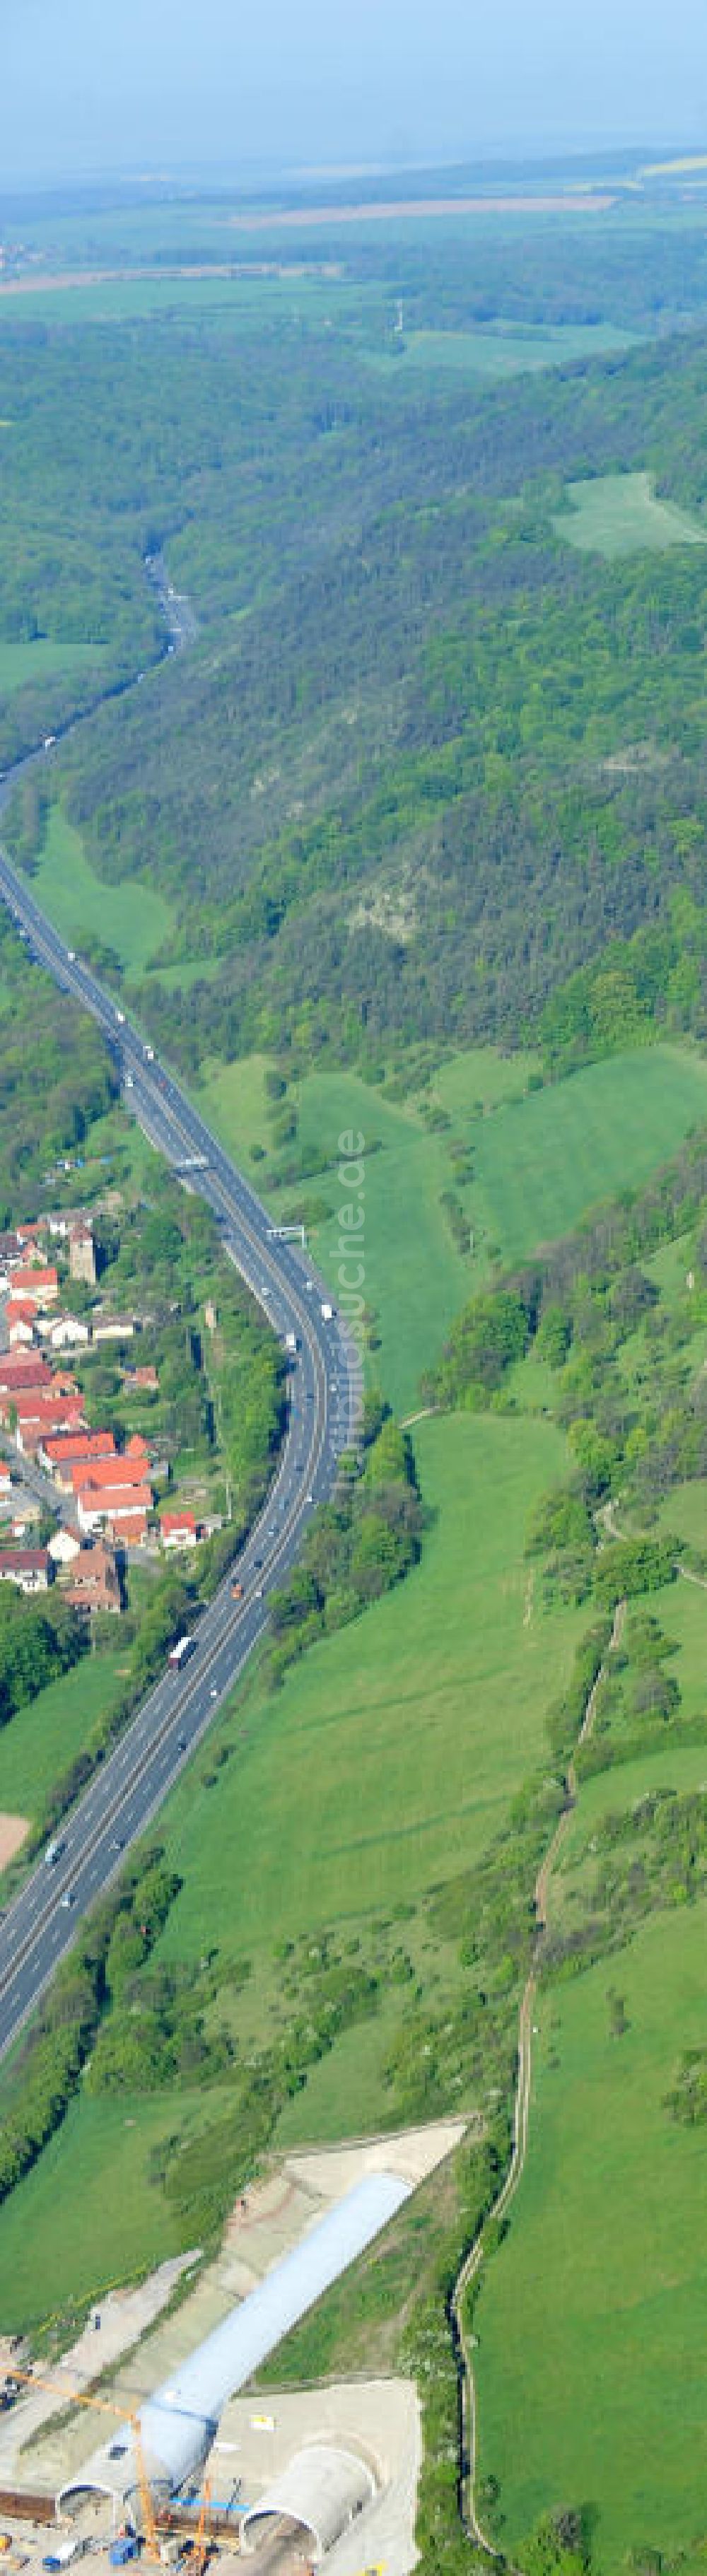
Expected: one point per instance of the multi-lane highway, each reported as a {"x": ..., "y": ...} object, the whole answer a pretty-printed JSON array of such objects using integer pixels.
[{"x": 130, "y": 1786}]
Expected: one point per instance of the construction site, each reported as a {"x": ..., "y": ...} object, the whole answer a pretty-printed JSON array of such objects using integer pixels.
[{"x": 150, "y": 2438}]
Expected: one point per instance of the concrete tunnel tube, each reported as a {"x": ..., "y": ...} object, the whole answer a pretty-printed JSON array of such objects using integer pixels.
[
  {"x": 178, "y": 2423},
  {"x": 321, "y": 2492}
]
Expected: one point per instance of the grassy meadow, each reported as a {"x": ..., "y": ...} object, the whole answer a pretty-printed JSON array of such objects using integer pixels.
[
  {"x": 592, "y": 2363},
  {"x": 132, "y": 920},
  {"x": 87, "y": 2216},
  {"x": 539, "y": 1160},
  {"x": 621, "y": 514},
  {"x": 542, "y": 1164},
  {"x": 684, "y": 1513},
  {"x": 618, "y": 1791},
  {"x": 41, "y": 1740},
  {"x": 498, "y": 350},
  {"x": 321, "y": 1818},
  {"x": 415, "y": 1279},
  {"x": 46, "y": 659},
  {"x": 321, "y": 1800}
]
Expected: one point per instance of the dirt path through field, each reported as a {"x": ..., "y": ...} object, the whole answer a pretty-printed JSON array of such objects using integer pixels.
[{"x": 521, "y": 2115}]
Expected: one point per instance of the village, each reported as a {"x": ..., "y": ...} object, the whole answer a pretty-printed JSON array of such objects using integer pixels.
[{"x": 103, "y": 1496}]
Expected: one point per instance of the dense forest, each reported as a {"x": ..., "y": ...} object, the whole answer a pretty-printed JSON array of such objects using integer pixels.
[
  {"x": 427, "y": 760},
  {"x": 53, "y": 1090}
]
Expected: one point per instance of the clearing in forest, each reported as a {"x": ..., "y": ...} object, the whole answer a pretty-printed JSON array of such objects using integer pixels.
[
  {"x": 133, "y": 920},
  {"x": 46, "y": 657},
  {"x": 620, "y": 514},
  {"x": 542, "y": 1162}
]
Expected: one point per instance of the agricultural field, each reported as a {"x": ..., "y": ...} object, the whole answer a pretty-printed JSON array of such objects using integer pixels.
[
  {"x": 226, "y": 303},
  {"x": 592, "y": 2366},
  {"x": 621, "y": 514},
  {"x": 134, "y": 923}
]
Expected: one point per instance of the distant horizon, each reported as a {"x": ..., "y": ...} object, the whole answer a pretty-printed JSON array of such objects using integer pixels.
[{"x": 280, "y": 172}]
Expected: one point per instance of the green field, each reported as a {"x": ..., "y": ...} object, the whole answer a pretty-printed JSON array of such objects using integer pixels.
[
  {"x": 592, "y": 2360},
  {"x": 541, "y": 1164},
  {"x": 322, "y": 1818},
  {"x": 87, "y": 2216},
  {"x": 684, "y": 1512},
  {"x": 133, "y": 919},
  {"x": 45, "y": 659},
  {"x": 620, "y": 514},
  {"x": 328, "y": 1814},
  {"x": 42, "y": 1739},
  {"x": 233, "y": 303},
  {"x": 540, "y": 1160},
  {"x": 499, "y": 349},
  {"x": 682, "y": 1767},
  {"x": 415, "y": 1281},
  {"x": 478, "y": 1080}
]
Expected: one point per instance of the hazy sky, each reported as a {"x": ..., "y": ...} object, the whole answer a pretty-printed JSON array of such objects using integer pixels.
[{"x": 107, "y": 85}]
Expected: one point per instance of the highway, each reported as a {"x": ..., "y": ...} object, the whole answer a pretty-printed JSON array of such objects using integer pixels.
[{"x": 131, "y": 1784}]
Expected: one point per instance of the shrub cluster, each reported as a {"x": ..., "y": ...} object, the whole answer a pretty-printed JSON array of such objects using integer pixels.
[
  {"x": 51, "y": 2058},
  {"x": 357, "y": 1546}
]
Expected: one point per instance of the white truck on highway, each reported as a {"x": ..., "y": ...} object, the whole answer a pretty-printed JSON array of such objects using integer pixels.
[{"x": 178, "y": 1654}]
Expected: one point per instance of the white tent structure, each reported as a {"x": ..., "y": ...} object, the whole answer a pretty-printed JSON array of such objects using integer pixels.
[{"x": 178, "y": 2424}]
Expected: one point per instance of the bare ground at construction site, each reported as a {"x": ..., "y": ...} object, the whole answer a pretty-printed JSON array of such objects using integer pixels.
[
  {"x": 143, "y": 2339},
  {"x": 12, "y": 1834}
]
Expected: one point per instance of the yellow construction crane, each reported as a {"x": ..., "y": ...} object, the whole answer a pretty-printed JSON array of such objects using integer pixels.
[
  {"x": 200, "y": 2552},
  {"x": 128, "y": 2415}
]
